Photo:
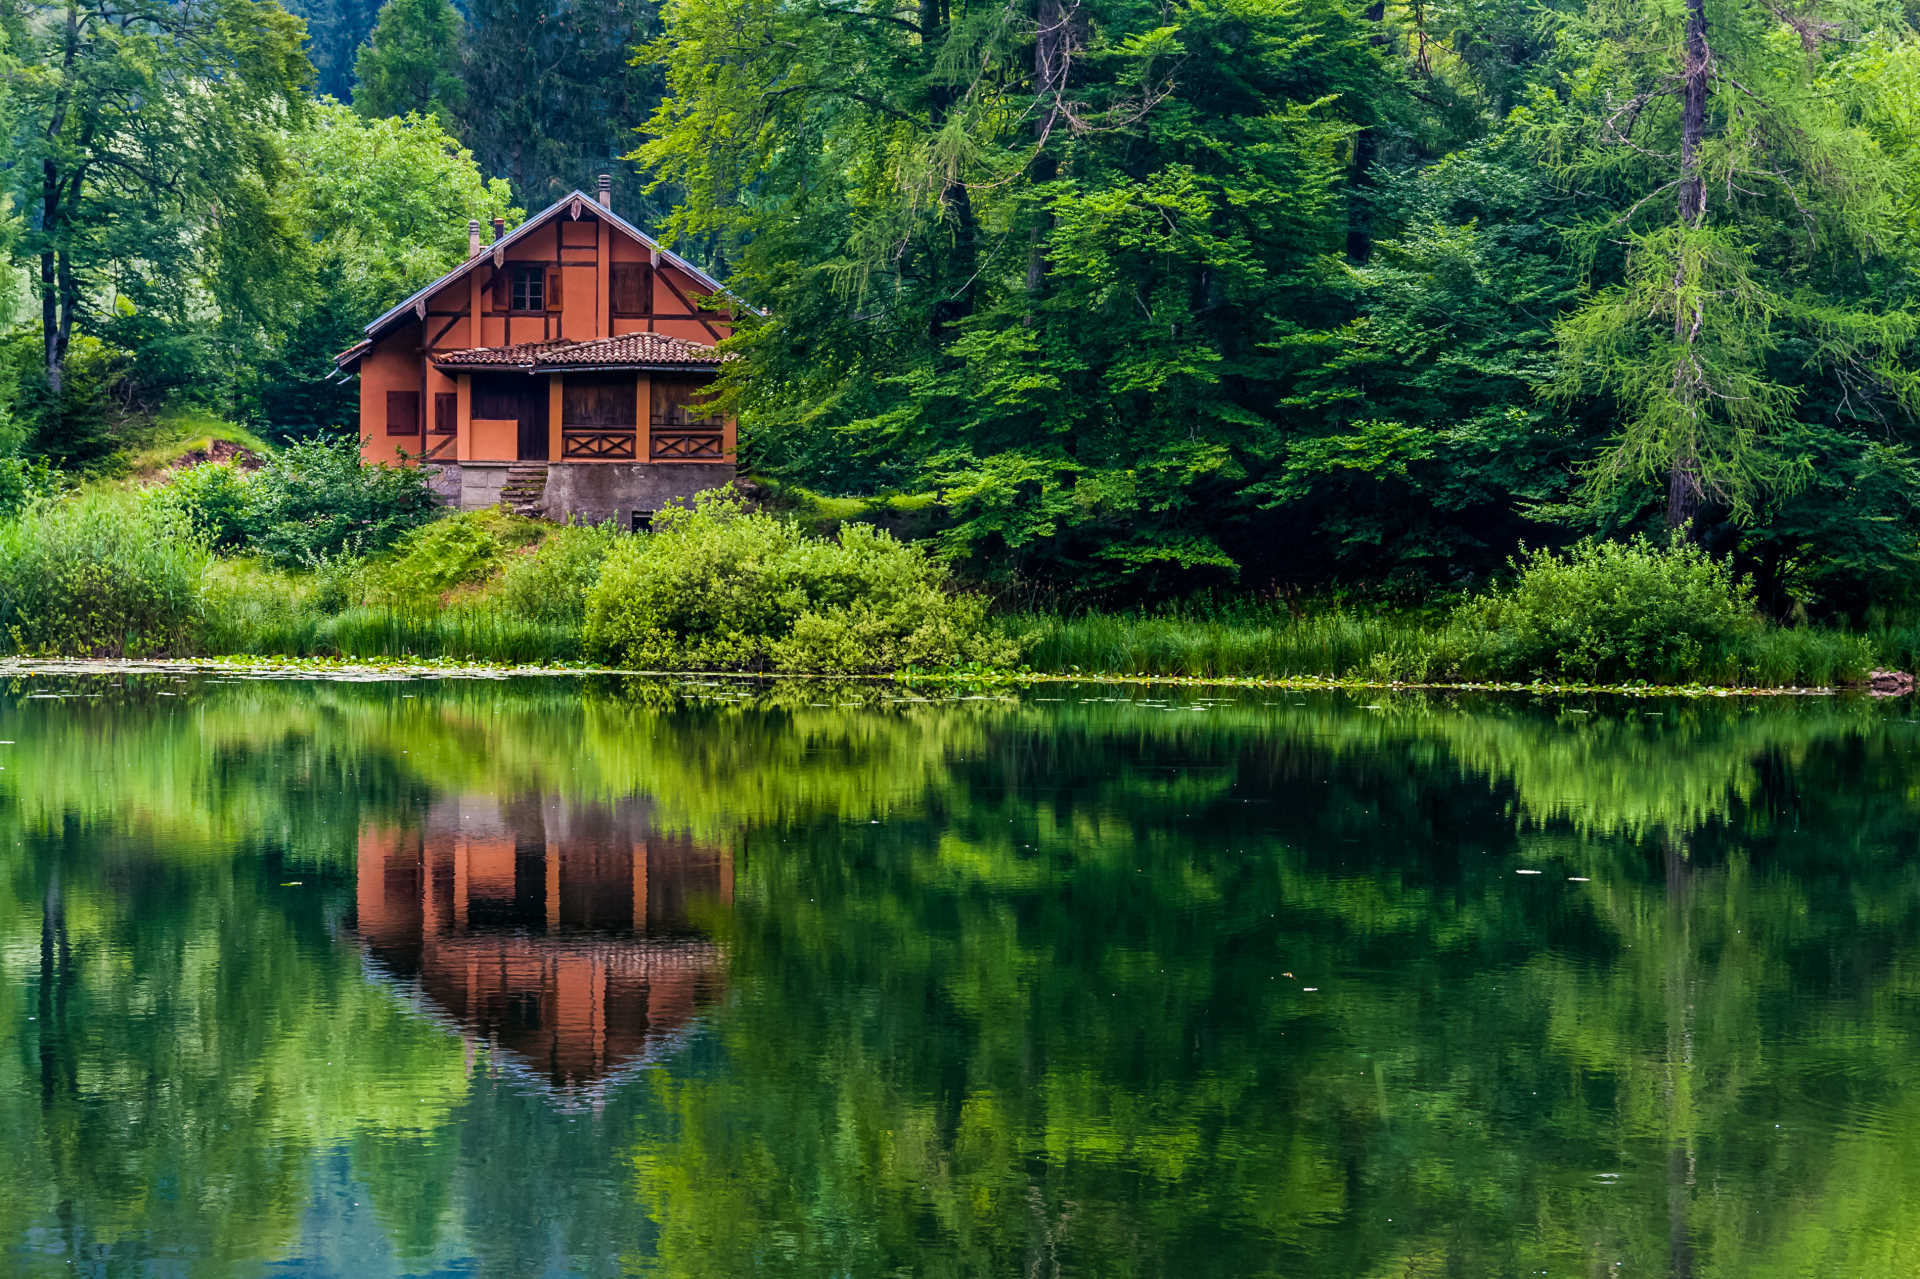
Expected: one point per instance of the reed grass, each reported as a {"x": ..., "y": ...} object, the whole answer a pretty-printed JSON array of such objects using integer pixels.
[
  {"x": 477, "y": 634},
  {"x": 1344, "y": 643},
  {"x": 1336, "y": 644}
]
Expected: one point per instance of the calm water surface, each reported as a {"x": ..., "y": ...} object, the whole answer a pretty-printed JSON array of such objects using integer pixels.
[{"x": 527, "y": 978}]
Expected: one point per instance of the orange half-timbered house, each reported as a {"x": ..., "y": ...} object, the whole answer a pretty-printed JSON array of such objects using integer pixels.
[{"x": 558, "y": 368}]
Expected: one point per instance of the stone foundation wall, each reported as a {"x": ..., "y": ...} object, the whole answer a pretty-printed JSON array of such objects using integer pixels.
[{"x": 585, "y": 492}]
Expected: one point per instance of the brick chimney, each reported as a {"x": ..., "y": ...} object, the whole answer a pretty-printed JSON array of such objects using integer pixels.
[
  {"x": 473, "y": 237},
  {"x": 606, "y": 192},
  {"x": 499, "y": 229}
]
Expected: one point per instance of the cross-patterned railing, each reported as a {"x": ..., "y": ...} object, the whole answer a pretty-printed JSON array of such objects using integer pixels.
[
  {"x": 672, "y": 444},
  {"x": 590, "y": 443}
]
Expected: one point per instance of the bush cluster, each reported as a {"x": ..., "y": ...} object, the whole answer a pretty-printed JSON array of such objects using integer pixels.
[
  {"x": 550, "y": 585},
  {"x": 428, "y": 563},
  {"x": 718, "y": 587},
  {"x": 310, "y": 502},
  {"x": 1605, "y": 612}
]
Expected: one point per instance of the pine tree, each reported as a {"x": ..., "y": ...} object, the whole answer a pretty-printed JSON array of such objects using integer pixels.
[
  {"x": 1045, "y": 261},
  {"x": 335, "y": 31},
  {"x": 1732, "y": 286},
  {"x": 411, "y": 63},
  {"x": 554, "y": 98}
]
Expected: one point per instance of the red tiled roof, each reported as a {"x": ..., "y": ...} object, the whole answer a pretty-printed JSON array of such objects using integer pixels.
[{"x": 635, "y": 350}]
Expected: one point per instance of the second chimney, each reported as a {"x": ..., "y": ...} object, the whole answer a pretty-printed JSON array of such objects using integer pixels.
[
  {"x": 606, "y": 192},
  {"x": 473, "y": 237},
  {"x": 499, "y": 229}
]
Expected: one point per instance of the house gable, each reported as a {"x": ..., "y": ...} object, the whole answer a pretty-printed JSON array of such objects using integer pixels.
[{"x": 576, "y": 271}]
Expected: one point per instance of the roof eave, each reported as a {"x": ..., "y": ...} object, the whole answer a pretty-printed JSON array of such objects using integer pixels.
[
  {"x": 537, "y": 219},
  {"x": 351, "y": 356},
  {"x": 623, "y": 368}
]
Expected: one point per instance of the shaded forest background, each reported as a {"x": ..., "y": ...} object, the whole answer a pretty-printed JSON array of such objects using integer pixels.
[{"x": 1116, "y": 300}]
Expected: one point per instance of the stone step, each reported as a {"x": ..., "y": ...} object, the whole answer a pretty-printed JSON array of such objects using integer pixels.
[{"x": 525, "y": 490}]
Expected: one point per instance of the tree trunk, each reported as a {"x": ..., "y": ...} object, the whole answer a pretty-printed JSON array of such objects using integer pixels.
[
  {"x": 56, "y": 276},
  {"x": 52, "y": 341},
  {"x": 1684, "y": 494},
  {"x": 1693, "y": 113},
  {"x": 954, "y": 196},
  {"x": 1049, "y": 82},
  {"x": 1360, "y": 170}
]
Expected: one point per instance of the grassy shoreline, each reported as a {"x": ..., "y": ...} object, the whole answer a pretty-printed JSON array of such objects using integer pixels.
[{"x": 316, "y": 562}]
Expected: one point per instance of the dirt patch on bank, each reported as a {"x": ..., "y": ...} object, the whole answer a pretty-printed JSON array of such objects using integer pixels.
[{"x": 219, "y": 451}]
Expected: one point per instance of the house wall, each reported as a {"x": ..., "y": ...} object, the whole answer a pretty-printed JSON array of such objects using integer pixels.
[
  {"x": 491, "y": 439},
  {"x": 392, "y": 365},
  {"x": 671, "y": 315}
]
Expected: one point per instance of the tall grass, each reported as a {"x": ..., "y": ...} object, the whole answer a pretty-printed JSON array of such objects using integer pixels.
[
  {"x": 253, "y": 609},
  {"x": 1335, "y": 644},
  {"x": 1343, "y": 643},
  {"x": 100, "y": 574}
]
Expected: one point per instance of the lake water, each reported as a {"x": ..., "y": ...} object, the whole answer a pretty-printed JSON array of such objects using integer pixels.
[{"x": 548, "y": 977}]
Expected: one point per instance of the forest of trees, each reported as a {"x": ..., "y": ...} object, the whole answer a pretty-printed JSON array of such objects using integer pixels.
[{"x": 1244, "y": 295}]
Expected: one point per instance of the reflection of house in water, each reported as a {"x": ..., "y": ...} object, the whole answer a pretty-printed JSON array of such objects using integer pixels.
[{"x": 561, "y": 933}]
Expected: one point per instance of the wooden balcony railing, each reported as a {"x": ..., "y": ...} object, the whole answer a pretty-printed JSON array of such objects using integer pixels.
[
  {"x": 597, "y": 443},
  {"x": 687, "y": 444}
]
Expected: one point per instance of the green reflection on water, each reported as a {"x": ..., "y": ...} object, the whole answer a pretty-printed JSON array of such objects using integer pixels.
[{"x": 543, "y": 977}]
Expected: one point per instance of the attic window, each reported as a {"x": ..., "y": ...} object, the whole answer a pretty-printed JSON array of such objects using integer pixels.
[{"x": 529, "y": 290}]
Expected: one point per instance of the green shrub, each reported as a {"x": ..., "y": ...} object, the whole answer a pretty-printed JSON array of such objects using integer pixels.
[
  {"x": 23, "y": 482},
  {"x": 718, "y": 588},
  {"x": 550, "y": 583},
  {"x": 317, "y": 498},
  {"x": 455, "y": 551},
  {"x": 1607, "y": 612},
  {"x": 100, "y": 574},
  {"x": 215, "y": 499}
]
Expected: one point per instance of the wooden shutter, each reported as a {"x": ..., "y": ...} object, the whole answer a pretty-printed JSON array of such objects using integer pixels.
[
  {"x": 631, "y": 287},
  {"x": 446, "y": 412},
  {"x": 502, "y": 281},
  {"x": 553, "y": 289},
  {"x": 403, "y": 412}
]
